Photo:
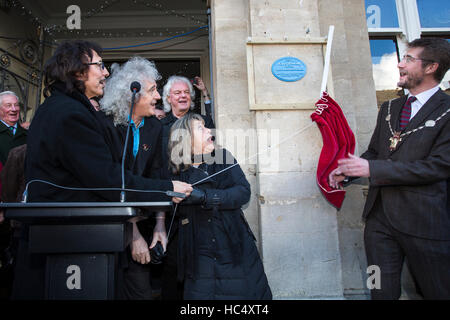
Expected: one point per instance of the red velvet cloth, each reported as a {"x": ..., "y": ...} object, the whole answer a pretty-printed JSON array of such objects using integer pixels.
[{"x": 338, "y": 141}]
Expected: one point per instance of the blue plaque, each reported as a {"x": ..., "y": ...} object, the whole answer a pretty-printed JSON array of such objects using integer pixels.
[{"x": 289, "y": 69}]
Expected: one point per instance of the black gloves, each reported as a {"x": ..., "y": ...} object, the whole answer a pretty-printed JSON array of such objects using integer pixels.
[{"x": 197, "y": 196}]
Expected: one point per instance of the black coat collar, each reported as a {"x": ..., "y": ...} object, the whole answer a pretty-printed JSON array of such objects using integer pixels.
[
  {"x": 59, "y": 88},
  {"x": 169, "y": 119}
]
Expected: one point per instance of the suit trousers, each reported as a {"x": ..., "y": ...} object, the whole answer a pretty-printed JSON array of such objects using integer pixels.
[
  {"x": 136, "y": 281},
  {"x": 386, "y": 247}
]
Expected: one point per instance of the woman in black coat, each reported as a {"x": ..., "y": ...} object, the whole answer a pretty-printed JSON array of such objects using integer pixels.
[{"x": 217, "y": 255}]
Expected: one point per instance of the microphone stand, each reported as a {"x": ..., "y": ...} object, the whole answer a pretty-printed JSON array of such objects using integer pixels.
[{"x": 125, "y": 147}]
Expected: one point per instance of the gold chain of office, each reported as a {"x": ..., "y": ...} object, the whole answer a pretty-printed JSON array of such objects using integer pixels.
[{"x": 397, "y": 137}]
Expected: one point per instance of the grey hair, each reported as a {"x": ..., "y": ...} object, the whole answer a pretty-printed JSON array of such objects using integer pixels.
[
  {"x": 180, "y": 142},
  {"x": 7, "y": 93},
  {"x": 166, "y": 92},
  {"x": 116, "y": 99}
]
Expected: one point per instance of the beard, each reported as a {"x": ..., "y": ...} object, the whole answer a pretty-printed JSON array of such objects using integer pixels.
[{"x": 411, "y": 82}]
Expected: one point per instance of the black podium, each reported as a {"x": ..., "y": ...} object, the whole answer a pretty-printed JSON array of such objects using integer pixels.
[{"x": 79, "y": 243}]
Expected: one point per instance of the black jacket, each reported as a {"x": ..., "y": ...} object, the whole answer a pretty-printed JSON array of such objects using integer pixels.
[
  {"x": 69, "y": 145},
  {"x": 148, "y": 160},
  {"x": 217, "y": 255}
]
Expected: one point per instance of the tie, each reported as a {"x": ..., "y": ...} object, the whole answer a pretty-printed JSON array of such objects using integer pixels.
[
  {"x": 406, "y": 112},
  {"x": 11, "y": 128}
]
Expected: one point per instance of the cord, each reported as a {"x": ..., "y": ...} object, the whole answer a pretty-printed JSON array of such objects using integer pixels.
[{"x": 168, "y": 193}]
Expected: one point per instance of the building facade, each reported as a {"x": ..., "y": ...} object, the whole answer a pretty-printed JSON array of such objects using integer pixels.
[{"x": 310, "y": 249}]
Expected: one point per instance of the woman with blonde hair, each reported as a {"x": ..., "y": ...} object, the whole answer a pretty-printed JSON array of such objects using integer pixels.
[{"x": 217, "y": 255}]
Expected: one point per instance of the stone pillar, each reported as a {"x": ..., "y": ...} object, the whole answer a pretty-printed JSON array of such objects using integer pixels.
[{"x": 355, "y": 92}]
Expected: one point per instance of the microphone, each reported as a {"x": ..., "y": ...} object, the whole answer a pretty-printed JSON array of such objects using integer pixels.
[{"x": 135, "y": 87}]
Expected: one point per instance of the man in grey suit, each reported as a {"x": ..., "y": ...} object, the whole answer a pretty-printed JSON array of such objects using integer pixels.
[{"x": 408, "y": 166}]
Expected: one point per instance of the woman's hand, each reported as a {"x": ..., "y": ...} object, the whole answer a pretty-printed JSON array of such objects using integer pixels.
[
  {"x": 181, "y": 187},
  {"x": 335, "y": 178}
]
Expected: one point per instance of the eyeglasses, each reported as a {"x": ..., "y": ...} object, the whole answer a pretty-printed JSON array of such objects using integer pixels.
[
  {"x": 409, "y": 59},
  {"x": 101, "y": 64}
]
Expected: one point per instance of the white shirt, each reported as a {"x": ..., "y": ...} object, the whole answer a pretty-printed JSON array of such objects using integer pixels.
[{"x": 422, "y": 98}]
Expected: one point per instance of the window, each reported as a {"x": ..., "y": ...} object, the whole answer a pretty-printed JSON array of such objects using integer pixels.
[
  {"x": 381, "y": 14},
  {"x": 435, "y": 22},
  {"x": 434, "y": 13},
  {"x": 384, "y": 66}
]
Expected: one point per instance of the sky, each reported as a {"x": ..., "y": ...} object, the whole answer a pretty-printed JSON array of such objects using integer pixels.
[{"x": 385, "y": 73}]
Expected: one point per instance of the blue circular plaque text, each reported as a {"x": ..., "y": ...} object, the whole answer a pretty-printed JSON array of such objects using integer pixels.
[{"x": 289, "y": 69}]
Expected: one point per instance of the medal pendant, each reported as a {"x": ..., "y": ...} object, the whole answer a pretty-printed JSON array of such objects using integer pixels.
[
  {"x": 430, "y": 123},
  {"x": 395, "y": 139}
]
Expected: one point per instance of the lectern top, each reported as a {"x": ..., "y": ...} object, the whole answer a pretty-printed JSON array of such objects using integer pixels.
[
  {"x": 150, "y": 205},
  {"x": 78, "y": 211}
]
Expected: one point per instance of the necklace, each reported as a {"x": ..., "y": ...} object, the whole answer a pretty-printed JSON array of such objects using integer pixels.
[{"x": 397, "y": 135}]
